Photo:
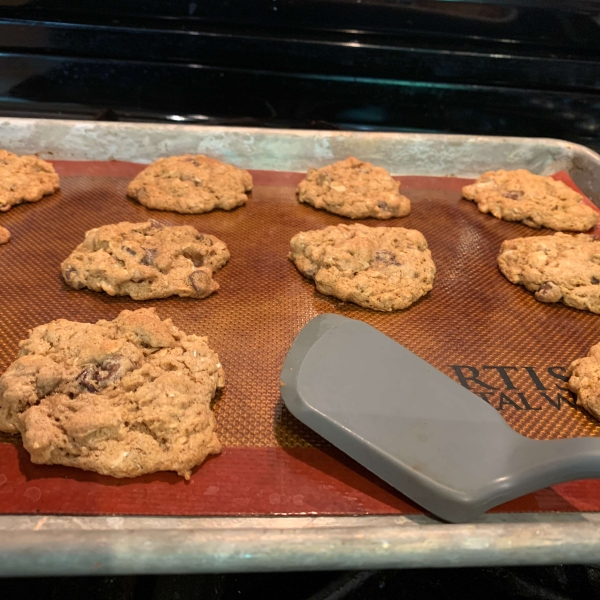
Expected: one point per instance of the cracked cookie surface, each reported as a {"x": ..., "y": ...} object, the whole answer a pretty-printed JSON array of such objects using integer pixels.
[
  {"x": 355, "y": 189},
  {"x": 25, "y": 179},
  {"x": 190, "y": 184},
  {"x": 146, "y": 260},
  {"x": 584, "y": 381},
  {"x": 557, "y": 268},
  {"x": 533, "y": 200},
  {"x": 381, "y": 268},
  {"x": 122, "y": 398}
]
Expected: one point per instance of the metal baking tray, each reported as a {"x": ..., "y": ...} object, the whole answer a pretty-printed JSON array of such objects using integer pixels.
[{"x": 80, "y": 543}]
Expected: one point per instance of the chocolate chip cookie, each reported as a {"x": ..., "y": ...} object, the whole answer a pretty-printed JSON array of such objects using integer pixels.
[
  {"x": 585, "y": 381},
  {"x": 122, "y": 398},
  {"x": 4, "y": 235},
  {"x": 25, "y": 179},
  {"x": 533, "y": 200},
  {"x": 381, "y": 268},
  {"x": 146, "y": 260},
  {"x": 190, "y": 184},
  {"x": 354, "y": 188},
  {"x": 557, "y": 268}
]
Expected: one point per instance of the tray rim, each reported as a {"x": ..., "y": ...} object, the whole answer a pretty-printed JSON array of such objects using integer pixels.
[{"x": 69, "y": 545}]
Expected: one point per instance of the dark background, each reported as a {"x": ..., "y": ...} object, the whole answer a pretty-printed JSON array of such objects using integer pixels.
[
  {"x": 493, "y": 68},
  {"x": 496, "y": 68}
]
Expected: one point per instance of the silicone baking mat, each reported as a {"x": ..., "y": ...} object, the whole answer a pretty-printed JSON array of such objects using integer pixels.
[{"x": 489, "y": 335}]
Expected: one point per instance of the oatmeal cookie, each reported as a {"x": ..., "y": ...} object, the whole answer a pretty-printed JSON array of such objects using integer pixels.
[
  {"x": 353, "y": 188},
  {"x": 381, "y": 268},
  {"x": 585, "y": 381},
  {"x": 122, "y": 398},
  {"x": 25, "y": 179},
  {"x": 4, "y": 235},
  {"x": 557, "y": 268},
  {"x": 190, "y": 184},
  {"x": 146, "y": 260},
  {"x": 534, "y": 200}
]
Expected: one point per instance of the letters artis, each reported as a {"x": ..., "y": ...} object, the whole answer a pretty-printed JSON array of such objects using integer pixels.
[{"x": 517, "y": 388}]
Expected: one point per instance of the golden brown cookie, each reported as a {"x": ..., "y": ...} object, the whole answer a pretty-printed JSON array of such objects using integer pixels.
[
  {"x": 557, "y": 268},
  {"x": 122, "y": 398},
  {"x": 354, "y": 188},
  {"x": 25, "y": 179},
  {"x": 190, "y": 184},
  {"x": 533, "y": 200},
  {"x": 381, "y": 268},
  {"x": 146, "y": 260},
  {"x": 585, "y": 381}
]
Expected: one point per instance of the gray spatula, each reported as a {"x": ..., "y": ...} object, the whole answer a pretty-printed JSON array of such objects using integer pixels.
[{"x": 417, "y": 429}]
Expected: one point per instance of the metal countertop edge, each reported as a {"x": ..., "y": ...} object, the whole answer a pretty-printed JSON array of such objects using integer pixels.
[{"x": 55, "y": 552}]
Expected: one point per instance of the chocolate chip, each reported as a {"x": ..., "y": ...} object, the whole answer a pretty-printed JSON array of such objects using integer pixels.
[
  {"x": 387, "y": 257},
  {"x": 205, "y": 239},
  {"x": 595, "y": 281},
  {"x": 70, "y": 275},
  {"x": 97, "y": 377},
  {"x": 195, "y": 257},
  {"x": 129, "y": 250},
  {"x": 149, "y": 256},
  {"x": 549, "y": 292},
  {"x": 83, "y": 379},
  {"x": 193, "y": 161},
  {"x": 513, "y": 195},
  {"x": 200, "y": 281},
  {"x": 383, "y": 205}
]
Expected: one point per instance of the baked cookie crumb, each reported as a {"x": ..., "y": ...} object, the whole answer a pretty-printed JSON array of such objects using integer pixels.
[
  {"x": 122, "y": 398},
  {"x": 4, "y": 235},
  {"x": 190, "y": 184},
  {"x": 556, "y": 268},
  {"x": 146, "y": 260},
  {"x": 354, "y": 188},
  {"x": 381, "y": 268},
  {"x": 533, "y": 200}
]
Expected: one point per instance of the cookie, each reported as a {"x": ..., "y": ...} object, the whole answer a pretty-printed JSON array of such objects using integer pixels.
[
  {"x": 121, "y": 398},
  {"x": 557, "y": 268},
  {"x": 584, "y": 381},
  {"x": 25, "y": 179},
  {"x": 381, "y": 268},
  {"x": 533, "y": 200},
  {"x": 4, "y": 235},
  {"x": 354, "y": 188},
  {"x": 190, "y": 184},
  {"x": 146, "y": 260}
]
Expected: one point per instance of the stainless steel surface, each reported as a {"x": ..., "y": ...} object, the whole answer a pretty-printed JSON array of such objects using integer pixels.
[
  {"x": 225, "y": 545},
  {"x": 50, "y": 545}
]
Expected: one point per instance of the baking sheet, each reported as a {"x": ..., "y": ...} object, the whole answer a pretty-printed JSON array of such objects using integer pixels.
[{"x": 474, "y": 326}]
